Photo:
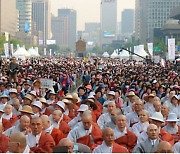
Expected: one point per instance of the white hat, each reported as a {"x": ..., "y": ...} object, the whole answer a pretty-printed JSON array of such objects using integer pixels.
[
  {"x": 172, "y": 117},
  {"x": 33, "y": 93},
  {"x": 90, "y": 97},
  {"x": 4, "y": 96},
  {"x": 92, "y": 93},
  {"x": 155, "y": 81},
  {"x": 176, "y": 96},
  {"x": 61, "y": 104},
  {"x": 13, "y": 90},
  {"x": 52, "y": 92},
  {"x": 158, "y": 117},
  {"x": 83, "y": 108},
  {"x": 38, "y": 104},
  {"x": 111, "y": 93}
]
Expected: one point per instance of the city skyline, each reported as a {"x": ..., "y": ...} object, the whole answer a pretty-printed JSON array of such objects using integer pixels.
[{"x": 84, "y": 9}]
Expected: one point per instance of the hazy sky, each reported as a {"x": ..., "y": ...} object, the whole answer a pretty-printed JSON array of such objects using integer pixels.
[{"x": 88, "y": 10}]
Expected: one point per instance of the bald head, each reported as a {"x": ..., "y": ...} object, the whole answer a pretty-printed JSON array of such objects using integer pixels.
[
  {"x": 108, "y": 136},
  {"x": 111, "y": 106},
  {"x": 8, "y": 109},
  {"x": 24, "y": 122},
  {"x": 87, "y": 120},
  {"x": 45, "y": 121},
  {"x": 164, "y": 147},
  {"x": 152, "y": 131},
  {"x": 121, "y": 122},
  {"x": 56, "y": 115},
  {"x": 65, "y": 142},
  {"x": 19, "y": 138}
]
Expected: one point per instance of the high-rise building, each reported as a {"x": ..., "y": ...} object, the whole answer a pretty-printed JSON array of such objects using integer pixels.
[
  {"x": 127, "y": 21},
  {"x": 151, "y": 15},
  {"x": 68, "y": 26},
  {"x": 59, "y": 27},
  {"x": 108, "y": 21},
  {"x": 8, "y": 17},
  {"x": 24, "y": 8},
  {"x": 41, "y": 17}
]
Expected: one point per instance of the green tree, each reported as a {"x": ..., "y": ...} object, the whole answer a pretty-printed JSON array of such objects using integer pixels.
[
  {"x": 160, "y": 43},
  {"x": 53, "y": 47},
  {"x": 2, "y": 41}
]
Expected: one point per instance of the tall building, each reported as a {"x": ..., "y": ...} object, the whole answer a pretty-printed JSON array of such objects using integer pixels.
[
  {"x": 59, "y": 27},
  {"x": 24, "y": 15},
  {"x": 8, "y": 17},
  {"x": 151, "y": 15},
  {"x": 41, "y": 17},
  {"x": 68, "y": 22},
  {"x": 108, "y": 21},
  {"x": 127, "y": 21}
]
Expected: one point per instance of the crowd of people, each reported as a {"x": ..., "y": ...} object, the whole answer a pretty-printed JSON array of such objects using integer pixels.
[{"x": 119, "y": 107}]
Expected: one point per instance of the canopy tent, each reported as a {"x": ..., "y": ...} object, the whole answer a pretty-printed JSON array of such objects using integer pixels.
[
  {"x": 124, "y": 55},
  {"x": 105, "y": 54},
  {"x": 33, "y": 52},
  {"x": 114, "y": 54},
  {"x": 21, "y": 53},
  {"x": 140, "y": 51}
]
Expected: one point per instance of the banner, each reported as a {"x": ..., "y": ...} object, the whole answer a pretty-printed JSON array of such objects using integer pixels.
[
  {"x": 150, "y": 48},
  {"x": 46, "y": 83},
  {"x": 6, "y": 49},
  {"x": 12, "y": 49},
  {"x": 50, "y": 52},
  {"x": 171, "y": 49},
  {"x": 44, "y": 51}
]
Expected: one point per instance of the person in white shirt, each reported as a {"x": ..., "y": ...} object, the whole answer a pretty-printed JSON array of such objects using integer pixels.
[
  {"x": 157, "y": 104},
  {"x": 4, "y": 100},
  {"x": 23, "y": 127},
  {"x": 149, "y": 104},
  {"x": 74, "y": 122},
  {"x": 176, "y": 147},
  {"x": 18, "y": 144},
  {"x": 142, "y": 125},
  {"x": 16, "y": 107},
  {"x": 150, "y": 144},
  {"x": 133, "y": 117},
  {"x": 127, "y": 106},
  {"x": 108, "y": 145},
  {"x": 105, "y": 118}
]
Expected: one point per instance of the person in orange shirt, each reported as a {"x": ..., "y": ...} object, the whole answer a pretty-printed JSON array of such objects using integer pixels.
[
  {"x": 87, "y": 132},
  {"x": 39, "y": 141},
  {"x": 48, "y": 128},
  {"x": 57, "y": 122},
  {"x": 108, "y": 145},
  {"x": 9, "y": 117},
  {"x": 3, "y": 140},
  {"x": 123, "y": 136}
]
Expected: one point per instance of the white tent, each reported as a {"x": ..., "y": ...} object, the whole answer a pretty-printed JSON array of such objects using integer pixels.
[
  {"x": 140, "y": 51},
  {"x": 33, "y": 52},
  {"x": 21, "y": 53},
  {"x": 124, "y": 55},
  {"x": 105, "y": 54},
  {"x": 114, "y": 54}
]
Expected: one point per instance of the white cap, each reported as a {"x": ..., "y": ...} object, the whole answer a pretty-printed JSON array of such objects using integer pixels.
[
  {"x": 90, "y": 96},
  {"x": 172, "y": 117},
  {"x": 176, "y": 96},
  {"x": 111, "y": 93},
  {"x": 92, "y": 93},
  {"x": 61, "y": 104},
  {"x": 38, "y": 104},
  {"x": 83, "y": 108},
  {"x": 13, "y": 90},
  {"x": 158, "y": 117},
  {"x": 155, "y": 81},
  {"x": 33, "y": 93}
]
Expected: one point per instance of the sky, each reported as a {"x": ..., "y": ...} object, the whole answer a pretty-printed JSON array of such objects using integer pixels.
[{"x": 88, "y": 10}]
